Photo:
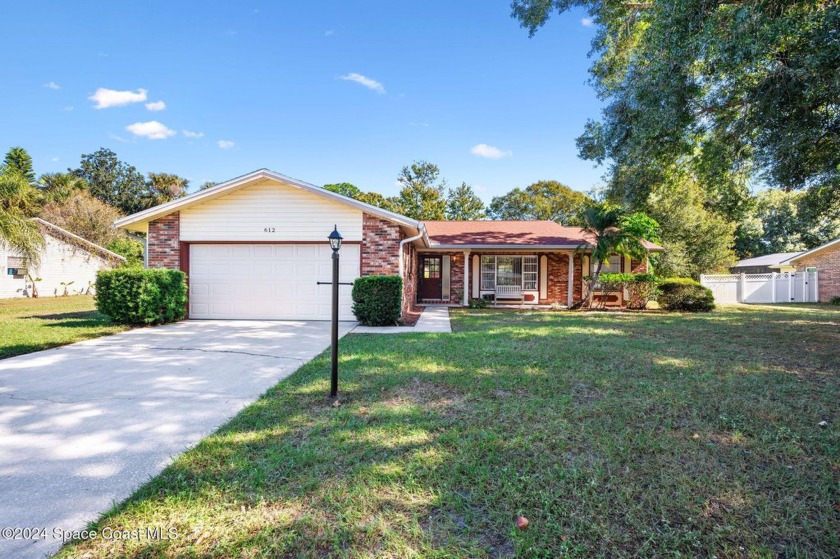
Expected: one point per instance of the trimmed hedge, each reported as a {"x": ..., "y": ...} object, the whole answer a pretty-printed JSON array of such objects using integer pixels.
[
  {"x": 377, "y": 300},
  {"x": 685, "y": 294},
  {"x": 140, "y": 296}
]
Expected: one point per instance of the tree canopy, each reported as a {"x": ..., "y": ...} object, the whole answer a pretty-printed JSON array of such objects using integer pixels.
[
  {"x": 545, "y": 200},
  {"x": 462, "y": 203},
  {"x": 423, "y": 192},
  {"x": 113, "y": 181},
  {"x": 17, "y": 204},
  {"x": 19, "y": 161},
  {"x": 706, "y": 100}
]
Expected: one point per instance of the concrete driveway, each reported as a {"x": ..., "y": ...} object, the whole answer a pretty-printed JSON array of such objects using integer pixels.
[{"x": 82, "y": 426}]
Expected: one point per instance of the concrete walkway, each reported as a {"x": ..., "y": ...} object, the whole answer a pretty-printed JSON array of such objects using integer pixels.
[
  {"x": 433, "y": 320},
  {"x": 82, "y": 426}
]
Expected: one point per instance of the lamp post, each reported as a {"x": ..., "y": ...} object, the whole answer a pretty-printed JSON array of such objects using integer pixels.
[{"x": 335, "y": 244}]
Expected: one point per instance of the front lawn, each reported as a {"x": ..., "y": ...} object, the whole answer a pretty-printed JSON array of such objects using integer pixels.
[
  {"x": 616, "y": 435},
  {"x": 28, "y": 325}
]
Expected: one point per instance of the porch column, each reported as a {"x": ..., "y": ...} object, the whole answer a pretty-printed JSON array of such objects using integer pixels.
[
  {"x": 571, "y": 280},
  {"x": 467, "y": 287}
]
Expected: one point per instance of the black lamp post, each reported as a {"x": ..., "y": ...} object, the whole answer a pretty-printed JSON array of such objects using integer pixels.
[{"x": 335, "y": 244}]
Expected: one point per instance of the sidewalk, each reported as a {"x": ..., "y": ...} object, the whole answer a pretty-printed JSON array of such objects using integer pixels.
[{"x": 433, "y": 320}]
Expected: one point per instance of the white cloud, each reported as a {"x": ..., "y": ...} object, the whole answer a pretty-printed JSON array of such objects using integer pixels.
[
  {"x": 106, "y": 98},
  {"x": 586, "y": 22},
  {"x": 152, "y": 130},
  {"x": 54, "y": 159},
  {"x": 225, "y": 144},
  {"x": 52, "y": 85},
  {"x": 490, "y": 152},
  {"x": 69, "y": 108},
  {"x": 118, "y": 138},
  {"x": 190, "y": 134},
  {"x": 156, "y": 106},
  {"x": 329, "y": 32},
  {"x": 369, "y": 83}
]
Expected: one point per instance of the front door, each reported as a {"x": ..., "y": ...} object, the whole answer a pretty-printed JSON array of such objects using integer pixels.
[{"x": 431, "y": 278}]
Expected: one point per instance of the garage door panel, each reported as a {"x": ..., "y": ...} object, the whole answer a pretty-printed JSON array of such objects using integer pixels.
[{"x": 264, "y": 281}]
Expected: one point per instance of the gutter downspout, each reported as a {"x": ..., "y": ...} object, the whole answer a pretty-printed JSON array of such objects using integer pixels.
[{"x": 422, "y": 232}]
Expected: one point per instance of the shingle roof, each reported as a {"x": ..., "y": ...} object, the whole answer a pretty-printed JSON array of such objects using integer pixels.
[{"x": 508, "y": 233}]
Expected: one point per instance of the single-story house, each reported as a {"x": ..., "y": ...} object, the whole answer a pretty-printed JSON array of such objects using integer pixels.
[
  {"x": 825, "y": 259},
  {"x": 67, "y": 262},
  {"x": 766, "y": 264},
  {"x": 256, "y": 246}
]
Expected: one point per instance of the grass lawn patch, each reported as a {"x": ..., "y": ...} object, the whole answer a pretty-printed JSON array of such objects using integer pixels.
[
  {"x": 28, "y": 325},
  {"x": 616, "y": 435}
]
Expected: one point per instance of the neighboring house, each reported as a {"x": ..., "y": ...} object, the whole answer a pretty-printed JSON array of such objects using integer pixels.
[
  {"x": 766, "y": 264},
  {"x": 256, "y": 246},
  {"x": 825, "y": 259},
  {"x": 65, "y": 258}
]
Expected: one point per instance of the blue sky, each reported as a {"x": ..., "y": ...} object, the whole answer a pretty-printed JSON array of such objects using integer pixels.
[{"x": 320, "y": 91}]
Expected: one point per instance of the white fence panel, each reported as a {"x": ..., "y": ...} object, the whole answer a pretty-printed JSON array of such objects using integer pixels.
[
  {"x": 724, "y": 287},
  {"x": 789, "y": 287}
]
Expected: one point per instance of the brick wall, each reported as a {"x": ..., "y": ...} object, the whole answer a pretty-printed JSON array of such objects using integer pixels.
[
  {"x": 380, "y": 247},
  {"x": 163, "y": 242},
  {"x": 827, "y": 263},
  {"x": 456, "y": 277}
]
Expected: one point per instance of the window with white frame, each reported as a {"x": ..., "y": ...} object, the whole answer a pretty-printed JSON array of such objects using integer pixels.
[
  {"x": 488, "y": 273},
  {"x": 611, "y": 267},
  {"x": 529, "y": 273},
  {"x": 509, "y": 271}
]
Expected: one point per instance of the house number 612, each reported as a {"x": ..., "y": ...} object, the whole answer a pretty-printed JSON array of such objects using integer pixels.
[{"x": 268, "y": 230}]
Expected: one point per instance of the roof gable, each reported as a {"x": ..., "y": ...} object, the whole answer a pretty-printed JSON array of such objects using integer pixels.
[
  {"x": 139, "y": 220},
  {"x": 820, "y": 248}
]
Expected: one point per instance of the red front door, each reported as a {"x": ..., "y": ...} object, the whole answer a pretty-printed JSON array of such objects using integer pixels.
[{"x": 431, "y": 278}]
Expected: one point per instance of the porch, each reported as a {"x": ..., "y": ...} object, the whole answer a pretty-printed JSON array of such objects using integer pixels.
[{"x": 514, "y": 279}]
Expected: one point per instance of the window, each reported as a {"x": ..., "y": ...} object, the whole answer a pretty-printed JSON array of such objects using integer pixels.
[
  {"x": 611, "y": 267},
  {"x": 488, "y": 273},
  {"x": 529, "y": 272},
  {"x": 16, "y": 266},
  {"x": 509, "y": 270},
  {"x": 431, "y": 268}
]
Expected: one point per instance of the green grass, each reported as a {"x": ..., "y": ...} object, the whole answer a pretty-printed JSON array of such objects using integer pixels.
[
  {"x": 28, "y": 325},
  {"x": 616, "y": 435}
]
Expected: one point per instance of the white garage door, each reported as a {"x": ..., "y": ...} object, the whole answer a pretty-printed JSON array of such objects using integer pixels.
[{"x": 270, "y": 282}]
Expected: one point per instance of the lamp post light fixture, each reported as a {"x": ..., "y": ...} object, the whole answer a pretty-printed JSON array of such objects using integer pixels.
[{"x": 335, "y": 244}]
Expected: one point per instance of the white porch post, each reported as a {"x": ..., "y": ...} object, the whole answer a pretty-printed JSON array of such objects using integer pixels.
[
  {"x": 816, "y": 287},
  {"x": 571, "y": 280},
  {"x": 467, "y": 287}
]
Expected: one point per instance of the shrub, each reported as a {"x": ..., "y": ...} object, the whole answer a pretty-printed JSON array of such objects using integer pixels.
[
  {"x": 480, "y": 303},
  {"x": 140, "y": 296},
  {"x": 377, "y": 300},
  {"x": 835, "y": 301},
  {"x": 685, "y": 294},
  {"x": 641, "y": 289},
  {"x": 131, "y": 249}
]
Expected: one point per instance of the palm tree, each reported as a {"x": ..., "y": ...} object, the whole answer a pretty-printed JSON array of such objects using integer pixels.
[
  {"x": 17, "y": 231},
  {"x": 612, "y": 231}
]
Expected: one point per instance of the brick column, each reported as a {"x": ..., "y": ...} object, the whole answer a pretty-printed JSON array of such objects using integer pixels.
[{"x": 164, "y": 242}]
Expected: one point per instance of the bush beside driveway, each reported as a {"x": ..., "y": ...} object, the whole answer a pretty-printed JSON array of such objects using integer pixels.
[{"x": 615, "y": 434}]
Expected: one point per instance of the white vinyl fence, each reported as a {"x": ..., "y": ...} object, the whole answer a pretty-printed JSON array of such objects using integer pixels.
[{"x": 787, "y": 287}]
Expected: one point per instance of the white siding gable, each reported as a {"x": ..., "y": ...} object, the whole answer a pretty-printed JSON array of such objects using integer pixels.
[
  {"x": 289, "y": 214},
  {"x": 60, "y": 262}
]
